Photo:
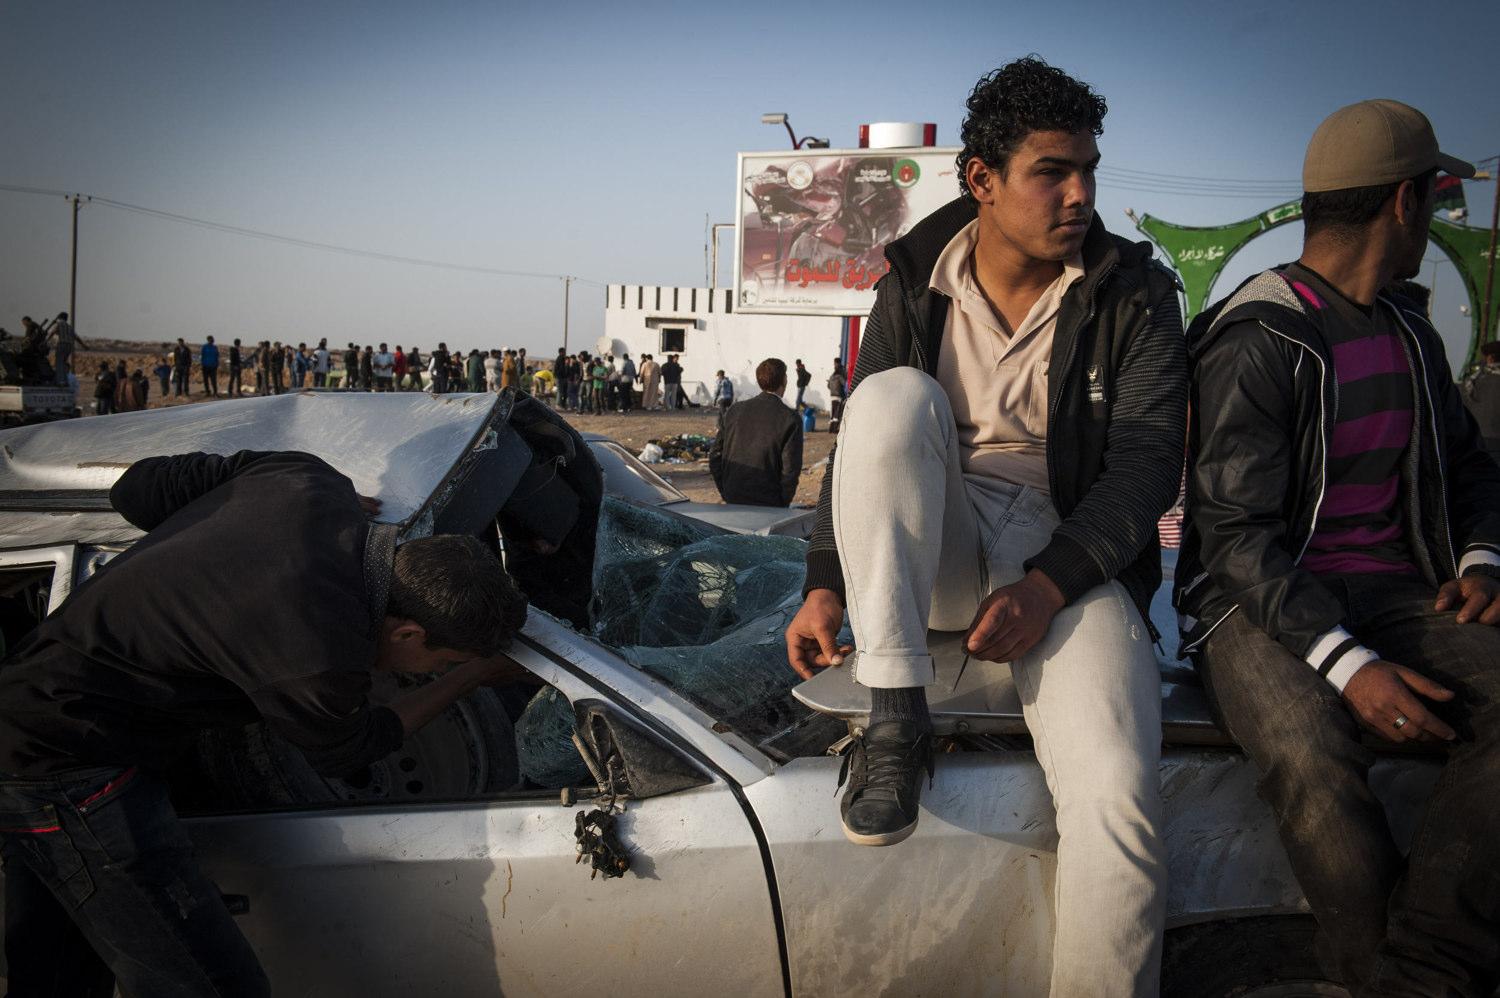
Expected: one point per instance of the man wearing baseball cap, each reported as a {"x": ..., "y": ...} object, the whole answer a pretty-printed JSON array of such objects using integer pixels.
[{"x": 1338, "y": 575}]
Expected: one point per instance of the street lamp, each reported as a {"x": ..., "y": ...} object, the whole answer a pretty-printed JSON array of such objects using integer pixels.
[{"x": 780, "y": 119}]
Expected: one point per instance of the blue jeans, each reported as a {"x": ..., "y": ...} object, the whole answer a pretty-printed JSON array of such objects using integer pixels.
[
  {"x": 112, "y": 854},
  {"x": 1425, "y": 925}
]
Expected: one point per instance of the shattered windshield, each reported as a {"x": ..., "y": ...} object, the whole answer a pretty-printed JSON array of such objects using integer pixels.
[{"x": 704, "y": 612}]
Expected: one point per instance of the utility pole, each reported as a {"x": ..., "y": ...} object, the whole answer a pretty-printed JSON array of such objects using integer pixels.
[
  {"x": 73, "y": 286},
  {"x": 567, "y": 281},
  {"x": 1489, "y": 273}
]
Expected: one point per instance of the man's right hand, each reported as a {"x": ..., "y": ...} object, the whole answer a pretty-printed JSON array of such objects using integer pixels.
[
  {"x": 1381, "y": 692},
  {"x": 812, "y": 636}
]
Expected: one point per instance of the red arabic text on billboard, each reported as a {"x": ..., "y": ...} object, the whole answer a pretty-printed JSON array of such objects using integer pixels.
[{"x": 813, "y": 226}]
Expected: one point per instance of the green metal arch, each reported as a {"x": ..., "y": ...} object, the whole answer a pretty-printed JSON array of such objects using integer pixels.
[{"x": 1199, "y": 254}]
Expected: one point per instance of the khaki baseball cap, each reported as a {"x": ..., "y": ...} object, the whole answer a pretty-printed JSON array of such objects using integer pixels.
[{"x": 1374, "y": 142}]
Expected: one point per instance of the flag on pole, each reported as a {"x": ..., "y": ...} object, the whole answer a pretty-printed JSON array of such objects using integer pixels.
[{"x": 1450, "y": 197}]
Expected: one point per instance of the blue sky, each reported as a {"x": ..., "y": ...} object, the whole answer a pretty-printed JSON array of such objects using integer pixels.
[{"x": 596, "y": 140}]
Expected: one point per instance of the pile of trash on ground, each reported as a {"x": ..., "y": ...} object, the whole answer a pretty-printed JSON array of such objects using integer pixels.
[{"x": 677, "y": 450}]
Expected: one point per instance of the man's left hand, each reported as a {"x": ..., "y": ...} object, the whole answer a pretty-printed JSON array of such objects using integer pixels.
[
  {"x": 1013, "y": 618},
  {"x": 369, "y": 505},
  {"x": 1477, "y": 597}
]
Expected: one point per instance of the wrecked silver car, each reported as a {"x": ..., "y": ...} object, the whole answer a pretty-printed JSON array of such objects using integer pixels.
[{"x": 655, "y": 813}]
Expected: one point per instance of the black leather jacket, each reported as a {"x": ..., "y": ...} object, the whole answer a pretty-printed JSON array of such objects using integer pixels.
[
  {"x": 1264, "y": 402},
  {"x": 1115, "y": 403}
]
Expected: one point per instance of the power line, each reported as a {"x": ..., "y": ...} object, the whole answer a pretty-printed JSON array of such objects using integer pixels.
[{"x": 295, "y": 241}]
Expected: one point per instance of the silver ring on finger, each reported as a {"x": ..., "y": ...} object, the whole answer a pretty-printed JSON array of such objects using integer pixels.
[{"x": 1399, "y": 721}]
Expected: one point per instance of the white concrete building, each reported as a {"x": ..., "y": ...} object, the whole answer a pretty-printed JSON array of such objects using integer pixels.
[{"x": 701, "y": 327}]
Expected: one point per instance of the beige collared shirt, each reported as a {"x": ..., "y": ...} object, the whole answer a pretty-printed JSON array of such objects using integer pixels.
[{"x": 995, "y": 377}]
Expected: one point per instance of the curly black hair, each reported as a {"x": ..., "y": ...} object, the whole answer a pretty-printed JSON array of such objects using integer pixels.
[{"x": 1017, "y": 99}]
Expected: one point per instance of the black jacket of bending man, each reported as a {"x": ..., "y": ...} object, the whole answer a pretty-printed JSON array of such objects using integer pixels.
[
  {"x": 757, "y": 457},
  {"x": 166, "y": 640}
]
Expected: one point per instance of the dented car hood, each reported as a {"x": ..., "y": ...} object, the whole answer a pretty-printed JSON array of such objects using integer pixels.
[{"x": 410, "y": 450}]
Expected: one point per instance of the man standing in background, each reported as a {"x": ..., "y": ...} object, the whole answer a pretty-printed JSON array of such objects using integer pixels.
[
  {"x": 671, "y": 376},
  {"x": 321, "y": 363},
  {"x": 236, "y": 365},
  {"x": 208, "y": 365},
  {"x": 627, "y": 384},
  {"x": 182, "y": 362},
  {"x": 756, "y": 458},
  {"x": 65, "y": 337},
  {"x": 439, "y": 360},
  {"x": 385, "y": 366}
]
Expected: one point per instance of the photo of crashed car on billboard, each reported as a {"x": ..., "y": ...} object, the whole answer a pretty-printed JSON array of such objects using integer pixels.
[{"x": 813, "y": 226}]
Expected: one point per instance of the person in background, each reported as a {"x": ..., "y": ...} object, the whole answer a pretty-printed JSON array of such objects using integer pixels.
[
  {"x": 671, "y": 377},
  {"x": 208, "y": 367},
  {"x": 351, "y": 366},
  {"x": 474, "y": 370},
  {"x": 838, "y": 383},
  {"x": 756, "y": 457},
  {"x": 599, "y": 375},
  {"x": 384, "y": 366},
  {"x": 414, "y": 370},
  {"x": 321, "y": 363},
  {"x": 163, "y": 372},
  {"x": 367, "y": 368},
  {"x": 65, "y": 338},
  {"x": 611, "y": 384},
  {"x": 627, "y": 384},
  {"x": 236, "y": 365},
  {"x": 105, "y": 384},
  {"x": 1482, "y": 396},
  {"x": 494, "y": 368},
  {"x": 182, "y": 363},
  {"x": 278, "y": 367},
  {"x": 398, "y": 368},
  {"x": 560, "y": 377},
  {"x": 804, "y": 378},
  {"x": 723, "y": 395},
  {"x": 650, "y": 383},
  {"x": 439, "y": 360}
]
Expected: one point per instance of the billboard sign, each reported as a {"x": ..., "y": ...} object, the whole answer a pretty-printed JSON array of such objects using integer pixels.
[{"x": 814, "y": 224}]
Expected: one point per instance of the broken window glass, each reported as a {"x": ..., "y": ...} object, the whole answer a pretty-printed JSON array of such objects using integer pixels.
[{"x": 704, "y": 612}]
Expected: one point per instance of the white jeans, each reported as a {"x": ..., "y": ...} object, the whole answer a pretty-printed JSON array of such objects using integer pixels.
[{"x": 921, "y": 545}]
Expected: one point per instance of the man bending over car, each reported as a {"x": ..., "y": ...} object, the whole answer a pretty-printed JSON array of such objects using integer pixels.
[{"x": 165, "y": 641}]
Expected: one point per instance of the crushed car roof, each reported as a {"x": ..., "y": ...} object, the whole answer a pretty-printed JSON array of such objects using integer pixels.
[{"x": 397, "y": 447}]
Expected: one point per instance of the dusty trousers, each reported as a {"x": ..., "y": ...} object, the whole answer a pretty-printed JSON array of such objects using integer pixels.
[{"x": 921, "y": 545}]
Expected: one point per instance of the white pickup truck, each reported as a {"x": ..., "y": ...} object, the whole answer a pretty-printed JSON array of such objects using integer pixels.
[{"x": 36, "y": 403}]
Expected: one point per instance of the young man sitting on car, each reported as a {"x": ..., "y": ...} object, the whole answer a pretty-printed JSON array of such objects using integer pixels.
[
  {"x": 1338, "y": 570},
  {"x": 1012, "y": 436},
  {"x": 201, "y": 624}
]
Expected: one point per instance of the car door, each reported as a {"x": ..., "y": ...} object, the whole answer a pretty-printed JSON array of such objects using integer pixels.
[{"x": 489, "y": 897}]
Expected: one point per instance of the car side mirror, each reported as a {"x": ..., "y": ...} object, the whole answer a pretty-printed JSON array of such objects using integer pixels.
[{"x": 625, "y": 759}]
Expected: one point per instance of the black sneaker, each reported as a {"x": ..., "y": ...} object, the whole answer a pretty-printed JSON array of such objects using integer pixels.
[{"x": 884, "y": 767}]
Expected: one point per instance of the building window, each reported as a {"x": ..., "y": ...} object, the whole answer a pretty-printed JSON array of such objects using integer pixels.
[{"x": 673, "y": 339}]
